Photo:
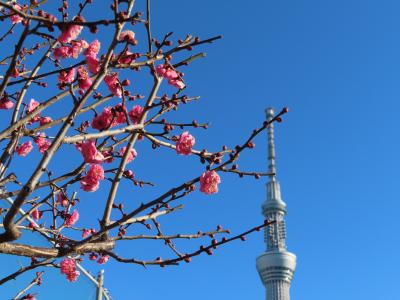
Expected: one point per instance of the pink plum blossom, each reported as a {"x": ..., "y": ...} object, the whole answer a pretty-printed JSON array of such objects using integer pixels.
[
  {"x": 209, "y": 181},
  {"x": 15, "y": 18},
  {"x": 32, "y": 105},
  {"x": 72, "y": 218},
  {"x": 87, "y": 232},
  {"x": 36, "y": 214},
  {"x": 135, "y": 114},
  {"x": 42, "y": 142},
  {"x": 131, "y": 155},
  {"x": 67, "y": 76},
  {"x": 90, "y": 152},
  {"x": 70, "y": 51},
  {"x": 161, "y": 70},
  {"x": 103, "y": 259},
  {"x": 104, "y": 120},
  {"x": 120, "y": 113},
  {"x": 128, "y": 173},
  {"x": 24, "y": 149},
  {"x": 93, "y": 256},
  {"x": 45, "y": 120},
  {"x": 126, "y": 57},
  {"x": 77, "y": 47},
  {"x": 113, "y": 84},
  {"x": 62, "y": 51},
  {"x": 72, "y": 31},
  {"x": 92, "y": 61},
  {"x": 6, "y": 103},
  {"x": 93, "y": 64},
  {"x": 91, "y": 181},
  {"x": 128, "y": 36},
  {"x": 93, "y": 49},
  {"x": 68, "y": 268},
  {"x": 185, "y": 143},
  {"x": 177, "y": 83},
  {"x": 171, "y": 75},
  {"x": 84, "y": 80}
]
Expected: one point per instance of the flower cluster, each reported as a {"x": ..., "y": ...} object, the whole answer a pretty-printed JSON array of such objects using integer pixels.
[
  {"x": 68, "y": 268},
  {"x": 171, "y": 75},
  {"x": 91, "y": 181},
  {"x": 42, "y": 143},
  {"x": 72, "y": 31},
  {"x": 24, "y": 149},
  {"x": 113, "y": 116},
  {"x": 67, "y": 76},
  {"x": 92, "y": 61},
  {"x": 70, "y": 51},
  {"x": 33, "y": 104}
]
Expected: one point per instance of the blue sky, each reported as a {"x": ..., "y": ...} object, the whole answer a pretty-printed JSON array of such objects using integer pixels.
[{"x": 336, "y": 65}]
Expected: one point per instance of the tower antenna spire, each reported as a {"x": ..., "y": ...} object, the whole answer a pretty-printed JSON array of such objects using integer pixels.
[{"x": 271, "y": 144}]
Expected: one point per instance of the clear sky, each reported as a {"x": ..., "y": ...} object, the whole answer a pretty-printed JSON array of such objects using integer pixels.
[{"x": 336, "y": 65}]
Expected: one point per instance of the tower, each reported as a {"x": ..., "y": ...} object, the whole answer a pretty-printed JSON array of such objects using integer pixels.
[{"x": 276, "y": 265}]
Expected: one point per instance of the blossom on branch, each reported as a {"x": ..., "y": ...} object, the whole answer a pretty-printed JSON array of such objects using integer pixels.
[
  {"x": 84, "y": 81},
  {"x": 135, "y": 114},
  {"x": 128, "y": 36},
  {"x": 72, "y": 218},
  {"x": 70, "y": 51},
  {"x": 103, "y": 259},
  {"x": 6, "y": 103},
  {"x": 91, "y": 181},
  {"x": 104, "y": 120},
  {"x": 90, "y": 152},
  {"x": 92, "y": 61},
  {"x": 87, "y": 232},
  {"x": 185, "y": 143},
  {"x": 171, "y": 75},
  {"x": 72, "y": 31},
  {"x": 62, "y": 199},
  {"x": 120, "y": 112},
  {"x": 42, "y": 142},
  {"x": 16, "y": 18},
  {"x": 93, "y": 49},
  {"x": 209, "y": 181},
  {"x": 113, "y": 84},
  {"x": 45, "y": 120},
  {"x": 131, "y": 155},
  {"x": 68, "y": 268},
  {"x": 24, "y": 149},
  {"x": 36, "y": 214}
]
